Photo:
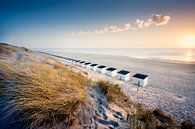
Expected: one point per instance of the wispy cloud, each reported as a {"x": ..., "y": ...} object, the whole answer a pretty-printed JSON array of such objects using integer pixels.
[
  {"x": 155, "y": 20},
  {"x": 122, "y": 28}
]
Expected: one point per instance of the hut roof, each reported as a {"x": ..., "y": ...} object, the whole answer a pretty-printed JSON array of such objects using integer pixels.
[
  {"x": 101, "y": 66},
  {"x": 124, "y": 72},
  {"x": 94, "y": 64},
  {"x": 111, "y": 69},
  {"x": 87, "y": 63},
  {"x": 140, "y": 76}
]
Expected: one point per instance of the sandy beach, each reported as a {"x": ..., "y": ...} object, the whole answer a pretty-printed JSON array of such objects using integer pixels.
[{"x": 171, "y": 86}]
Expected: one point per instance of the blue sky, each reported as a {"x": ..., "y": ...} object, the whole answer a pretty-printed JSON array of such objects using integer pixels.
[{"x": 51, "y": 23}]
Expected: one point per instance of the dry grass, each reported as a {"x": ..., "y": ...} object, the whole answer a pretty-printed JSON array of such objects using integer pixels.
[
  {"x": 110, "y": 90},
  {"x": 114, "y": 94},
  {"x": 162, "y": 116},
  {"x": 6, "y": 49},
  {"x": 5, "y": 73},
  {"x": 154, "y": 119},
  {"x": 43, "y": 94},
  {"x": 142, "y": 118}
]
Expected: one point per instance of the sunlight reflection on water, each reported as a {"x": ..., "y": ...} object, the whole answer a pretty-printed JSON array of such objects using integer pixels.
[{"x": 188, "y": 56}]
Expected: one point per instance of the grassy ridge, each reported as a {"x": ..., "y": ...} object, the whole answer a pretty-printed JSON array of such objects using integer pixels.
[
  {"x": 142, "y": 118},
  {"x": 115, "y": 94},
  {"x": 41, "y": 93},
  {"x": 44, "y": 95}
]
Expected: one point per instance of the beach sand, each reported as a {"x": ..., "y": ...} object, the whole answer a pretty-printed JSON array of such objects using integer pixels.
[{"x": 171, "y": 85}]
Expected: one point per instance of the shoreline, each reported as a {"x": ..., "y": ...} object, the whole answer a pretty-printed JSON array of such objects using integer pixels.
[
  {"x": 160, "y": 59},
  {"x": 171, "y": 86}
]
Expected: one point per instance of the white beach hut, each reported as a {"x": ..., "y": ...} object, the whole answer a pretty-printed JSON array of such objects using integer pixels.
[
  {"x": 111, "y": 72},
  {"x": 78, "y": 62},
  {"x": 70, "y": 61},
  {"x": 67, "y": 60},
  {"x": 123, "y": 75},
  {"x": 140, "y": 79},
  {"x": 81, "y": 63},
  {"x": 101, "y": 69},
  {"x": 93, "y": 67},
  {"x": 74, "y": 61},
  {"x": 86, "y": 65},
  {"x": 89, "y": 66}
]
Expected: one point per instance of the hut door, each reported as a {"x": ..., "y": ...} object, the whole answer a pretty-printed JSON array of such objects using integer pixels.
[{"x": 138, "y": 83}]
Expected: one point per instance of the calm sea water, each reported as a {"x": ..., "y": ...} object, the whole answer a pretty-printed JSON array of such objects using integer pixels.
[{"x": 172, "y": 54}]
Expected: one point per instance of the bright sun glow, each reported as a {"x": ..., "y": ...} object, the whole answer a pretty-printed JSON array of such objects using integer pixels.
[{"x": 189, "y": 41}]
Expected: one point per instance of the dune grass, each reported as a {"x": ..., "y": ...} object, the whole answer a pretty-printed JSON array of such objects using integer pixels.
[
  {"x": 141, "y": 117},
  {"x": 43, "y": 94},
  {"x": 6, "y": 49},
  {"x": 153, "y": 119},
  {"x": 114, "y": 93}
]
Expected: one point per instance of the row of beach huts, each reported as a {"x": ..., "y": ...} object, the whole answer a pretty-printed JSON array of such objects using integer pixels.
[{"x": 124, "y": 75}]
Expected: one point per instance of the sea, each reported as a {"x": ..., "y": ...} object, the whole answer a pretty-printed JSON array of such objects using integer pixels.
[{"x": 186, "y": 55}]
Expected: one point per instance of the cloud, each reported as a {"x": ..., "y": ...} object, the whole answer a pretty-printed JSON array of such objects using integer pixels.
[
  {"x": 155, "y": 20},
  {"x": 159, "y": 19},
  {"x": 113, "y": 29},
  {"x": 139, "y": 24}
]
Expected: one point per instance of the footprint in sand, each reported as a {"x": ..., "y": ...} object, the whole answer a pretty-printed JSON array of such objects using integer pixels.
[{"x": 101, "y": 118}]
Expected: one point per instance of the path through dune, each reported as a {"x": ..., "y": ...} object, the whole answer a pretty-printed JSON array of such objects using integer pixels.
[{"x": 106, "y": 115}]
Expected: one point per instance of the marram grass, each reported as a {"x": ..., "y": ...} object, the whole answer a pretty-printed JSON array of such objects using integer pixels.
[{"x": 43, "y": 94}]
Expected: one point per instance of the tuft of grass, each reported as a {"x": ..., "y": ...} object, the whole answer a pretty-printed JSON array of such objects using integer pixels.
[
  {"x": 43, "y": 94},
  {"x": 114, "y": 93},
  {"x": 159, "y": 114},
  {"x": 152, "y": 119}
]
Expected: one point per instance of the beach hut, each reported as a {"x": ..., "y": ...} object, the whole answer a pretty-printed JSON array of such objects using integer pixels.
[
  {"x": 73, "y": 61},
  {"x": 78, "y": 62},
  {"x": 93, "y": 67},
  {"x": 111, "y": 72},
  {"x": 67, "y": 60},
  {"x": 140, "y": 79},
  {"x": 81, "y": 63},
  {"x": 70, "y": 61},
  {"x": 86, "y": 65},
  {"x": 123, "y": 75},
  {"x": 101, "y": 69}
]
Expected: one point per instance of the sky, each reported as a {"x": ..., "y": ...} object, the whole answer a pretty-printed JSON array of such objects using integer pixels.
[{"x": 98, "y": 23}]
